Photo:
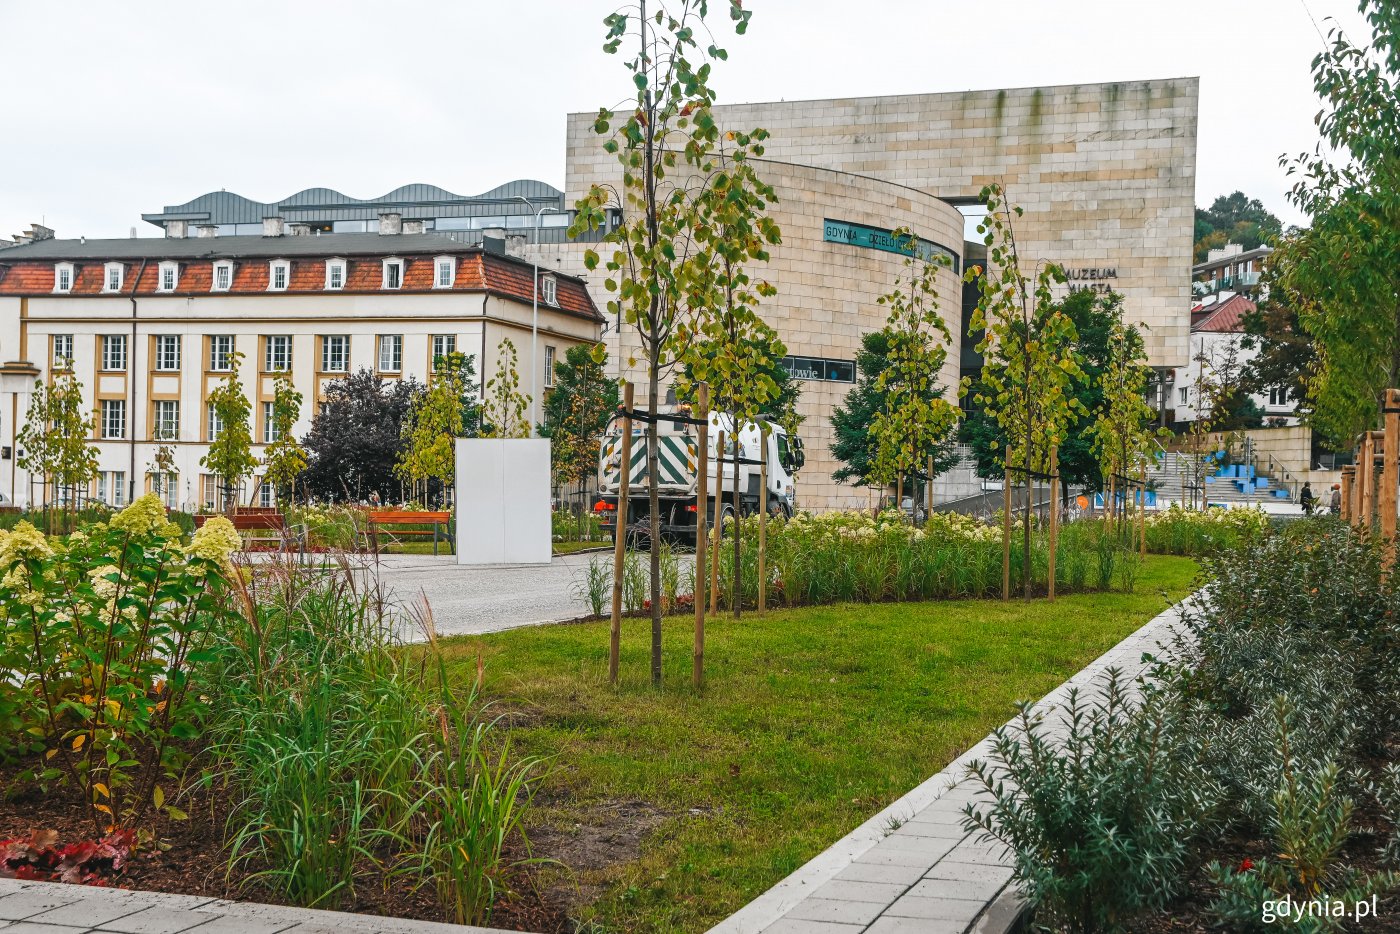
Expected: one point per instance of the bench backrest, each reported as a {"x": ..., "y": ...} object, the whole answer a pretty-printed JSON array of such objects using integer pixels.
[
  {"x": 404, "y": 517},
  {"x": 250, "y": 521}
]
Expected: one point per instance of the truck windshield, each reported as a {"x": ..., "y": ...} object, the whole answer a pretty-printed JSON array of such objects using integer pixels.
[{"x": 784, "y": 455}]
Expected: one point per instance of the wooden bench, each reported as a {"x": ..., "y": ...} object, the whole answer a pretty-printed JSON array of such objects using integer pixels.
[
  {"x": 257, "y": 527},
  {"x": 398, "y": 524}
]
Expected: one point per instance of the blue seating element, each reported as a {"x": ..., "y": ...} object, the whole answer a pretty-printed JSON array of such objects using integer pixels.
[
  {"x": 1261, "y": 483},
  {"x": 1280, "y": 493}
]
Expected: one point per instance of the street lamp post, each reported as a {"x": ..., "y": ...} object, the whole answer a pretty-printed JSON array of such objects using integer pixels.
[{"x": 535, "y": 381}]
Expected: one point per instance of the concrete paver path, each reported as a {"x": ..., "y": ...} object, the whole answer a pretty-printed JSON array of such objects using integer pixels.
[{"x": 54, "y": 908}]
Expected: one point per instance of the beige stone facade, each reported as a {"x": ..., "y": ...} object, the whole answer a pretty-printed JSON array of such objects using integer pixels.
[{"x": 1105, "y": 175}]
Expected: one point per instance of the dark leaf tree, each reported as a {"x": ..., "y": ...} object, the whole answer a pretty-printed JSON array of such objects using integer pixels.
[{"x": 357, "y": 437}]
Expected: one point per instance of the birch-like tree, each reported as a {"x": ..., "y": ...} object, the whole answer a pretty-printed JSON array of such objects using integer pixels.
[
  {"x": 285, "y": 458},
  {"x": 1029, "y": 349},
  {"x": 230, "y": 455},
  {"x": 505, "y": 410}
]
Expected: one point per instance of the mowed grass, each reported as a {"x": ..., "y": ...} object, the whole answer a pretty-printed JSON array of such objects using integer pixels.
[{"x": 811, "y": 720}]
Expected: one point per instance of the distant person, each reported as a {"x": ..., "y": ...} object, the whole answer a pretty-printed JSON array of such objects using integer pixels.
[
  {"x": 374, "y": 500},
  {"x": 1334, "y": 505},
  {"x": 1307, "y": 499}
]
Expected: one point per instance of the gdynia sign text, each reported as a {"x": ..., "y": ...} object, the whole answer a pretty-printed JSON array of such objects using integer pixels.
[{"x": 873, "y": 238}]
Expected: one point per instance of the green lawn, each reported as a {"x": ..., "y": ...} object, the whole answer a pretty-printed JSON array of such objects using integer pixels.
[
  {"x": 811, "y": 721},
  {"x": 568, "y": 548}
]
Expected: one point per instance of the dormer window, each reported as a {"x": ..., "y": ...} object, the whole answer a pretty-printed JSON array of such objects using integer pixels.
[
  {"x": 335, "y": 275},
  {"x": 223, "y": 277},
  {"x": 112, "y": 276},
  {"x": 279, "y": 273},
  {"x": 444, "y": 272},
  {"x": 63, "y": 277},
  {"x": 168, "y": 277},
  {"x": 393, "y": 273},
  {"x": 549, "y": 291}
]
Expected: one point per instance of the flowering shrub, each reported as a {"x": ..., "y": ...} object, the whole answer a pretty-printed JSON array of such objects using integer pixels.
[
  {"x": 1180, "y": 531},
  {"x": 104, "y": 632}
]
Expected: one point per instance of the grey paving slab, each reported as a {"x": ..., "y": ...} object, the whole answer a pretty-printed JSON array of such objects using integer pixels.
[
  {"x": 88, "y": 914},
  {"x": 830, "y": 909},
  {"x": 157, "y": 919},
  {"x": 970, "y": 872},
  {"x": 943, "y": 909},
  {"x": 796, "y": 926},
  {"x": 34, "y": 901},
  {"x": 888, "y": 925},
  {"x": 973, "y": 889},
  {"x": 231, "y": 924},
  {"x": 867, "y": 872},
  {"x": 31, "y": 927},
  {"x": 881, "y": 893}
]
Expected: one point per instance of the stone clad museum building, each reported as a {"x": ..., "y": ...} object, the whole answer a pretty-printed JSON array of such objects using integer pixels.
[{"x": 1105, "y": 175}]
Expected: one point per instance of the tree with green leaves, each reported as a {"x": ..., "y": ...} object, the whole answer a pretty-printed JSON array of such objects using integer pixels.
[
  {"x": 1234, "y": 218},
  {"x": 432, "y": 426},
  {"x": 576, "y": 413},
  {"x": 357, "y": 437},
  {"x": 230, "y": 455},
  {"x": 285, "y": 458},
  {"x": 1029, "y": 346},
  {"x": 666, "y": 144},
  {"x": 55, "y": 442},
  {"x": 913, "y": 421},
  {"x": 161, "y": 469},
  {"x": 505, "y": 411},
  {"x": 1122, "y": 434},
  {"x": 1340, "y": 274},
  {"x": 852, "y": 443}
]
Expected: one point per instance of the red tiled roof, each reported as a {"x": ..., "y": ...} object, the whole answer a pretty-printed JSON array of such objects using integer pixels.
[
  {"x": 477, "y": 271},
  {"x": 1225, "y": 317}
]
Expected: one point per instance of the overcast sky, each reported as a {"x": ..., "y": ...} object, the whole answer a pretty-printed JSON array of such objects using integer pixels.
[{"x": 121, "y": 107}]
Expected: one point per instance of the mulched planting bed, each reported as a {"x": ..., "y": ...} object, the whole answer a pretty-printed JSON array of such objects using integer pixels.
[{"x": 187, "y": 860}]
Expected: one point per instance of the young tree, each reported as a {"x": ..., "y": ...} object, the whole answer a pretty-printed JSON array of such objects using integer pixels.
[
  {"x": 1341, "y": 274},
  {"x": 357, "y": 437},
  {"x": 161, "y": 469},
  {"x": 55, "y": 441},
  {"x": 230, "y": 455},
  {"x": 665, "y": 145},
  {"x": 504, "y": 413},
  {"x": 37, "y": 445},
  {"x": 913, "y": 422},
  {"x": 285, "y": 459},
  {"x": 853, "y": 444},
  {"x": 576, "y": 413},
  {"x": 1029, "y": 347},
  {"x": 1122, "y": 434},
  {"x": 432, "y": 426}
]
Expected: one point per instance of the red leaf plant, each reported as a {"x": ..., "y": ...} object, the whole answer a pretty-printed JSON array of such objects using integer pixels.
[{"x": 87, "y": 862}]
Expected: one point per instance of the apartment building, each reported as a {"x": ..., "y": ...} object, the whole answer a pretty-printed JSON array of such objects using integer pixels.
[{"x": 151, "y": 326}]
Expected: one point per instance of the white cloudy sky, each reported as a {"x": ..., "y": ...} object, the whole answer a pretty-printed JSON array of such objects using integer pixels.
[{"x": 123, "y": 106}]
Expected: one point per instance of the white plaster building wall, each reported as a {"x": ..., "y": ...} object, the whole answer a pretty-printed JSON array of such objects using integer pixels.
[
  {"x": 1214, "y": 347},
  {"x": 478, "y": 321}
]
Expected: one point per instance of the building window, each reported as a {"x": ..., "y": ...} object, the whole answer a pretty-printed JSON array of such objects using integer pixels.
[
  {"x": 390, "y": 353},
  {"x": 63, "y": 277},
  {"x": 220, "y": 353},
  {"x": 1278, "y": 396},
  {"x": 335, "y": 274},
  {"x": 168, "y": 352},
  {"x": 1183, "y": 396},
  {"x": 111, "y": 487},
  {"x": 167, "y": 427},
  {"x": 114, "y": 418},
  {"x": 112, "y": 275},
  {"x": 114, "y": 352},
  {"x": 168, "y": 278},
  {"x": 167, "y": 487},
  {"x": 208, "y": 490},
  {"x": 444, "y": 272},
  {"x": 266, "y": 499},
  {"x": 393, "y": 273},
  {"x": 548, "y": 367},
  {"x": 269, "y": 424},
  {"x": 443, "y": 344},
  {"x": 279, "y": 354},
  {"x": 216, "y": 424},
  {"x": 335, "y": 353},
  {"x": 223, "y": 277},
  {"x": 549, "y": 290},
  {"x": 279, "y": 273},
  {"x": 63, "y": 351},
  {"x": 818, "y": 368}
]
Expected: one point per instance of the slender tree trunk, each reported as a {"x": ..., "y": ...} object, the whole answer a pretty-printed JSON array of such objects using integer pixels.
[
  {"x": 737, "y": 596},
  {"x": 654, "y": 502}
]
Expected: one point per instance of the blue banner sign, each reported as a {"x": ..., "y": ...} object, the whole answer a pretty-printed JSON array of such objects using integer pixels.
[{"x": 873, "y": 238}]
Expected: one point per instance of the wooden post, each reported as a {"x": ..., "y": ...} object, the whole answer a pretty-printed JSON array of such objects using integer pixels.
[
  {"x": 1142, "y": 514},
  {"x": 1365, "y": 476},
  {"x": 928, "y": 510},
  {"x": 763, "y": 519},
  {"x": 719, "y": 526},
  {"x": 702, "y": 531},
  {"x": 1390, "y": 471},
  {"x": 620, "y": 533},
  {"x": 1054, "y": 517},
  {"x": 1348, "y": 474},
  {"x": 1374, "y": 442},
  {"x": 1006, "y": 529}
]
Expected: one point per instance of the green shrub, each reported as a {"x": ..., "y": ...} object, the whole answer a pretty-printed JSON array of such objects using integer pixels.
[
  {"x": 1101, "y": 822},
  {"x": 106, "y": 639}
]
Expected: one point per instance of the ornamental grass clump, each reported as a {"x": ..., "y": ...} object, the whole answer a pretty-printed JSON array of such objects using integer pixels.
[
  {"x": 1196, "y": 533},
  {"x": 108, "y": 636}
]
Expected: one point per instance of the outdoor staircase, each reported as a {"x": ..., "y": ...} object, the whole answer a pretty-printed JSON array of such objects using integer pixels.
[{"x": 1238, "y": 484}]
